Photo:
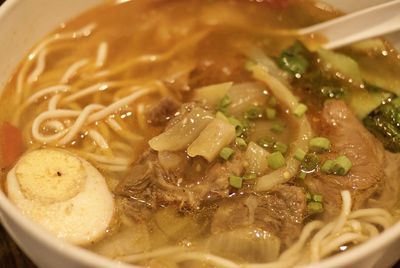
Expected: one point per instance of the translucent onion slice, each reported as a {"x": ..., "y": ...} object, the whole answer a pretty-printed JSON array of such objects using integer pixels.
[{"x": 285, "y": 96}]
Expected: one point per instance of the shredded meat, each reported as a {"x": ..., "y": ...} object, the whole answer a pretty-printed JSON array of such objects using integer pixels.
[
  {"x": 348, "y": 137},
  {"x": 159, "y": 114},
  {"x": 168, "y": 178},
  {"x": 281, "y": 211}
]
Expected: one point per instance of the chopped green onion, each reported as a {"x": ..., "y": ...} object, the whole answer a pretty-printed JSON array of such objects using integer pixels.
[
  {"x": 317, "y": 198},
  {"x": 266, "y": 142},
  {"x": 277, "y": 128},
  {"x": 315, "y": 207},
  {"x": 239, "y": 126},
  {"x": 299, "y": 154},
  {"x": 253, "y": 112},
  {"x": 272, "y": 101},
  {"x": 250, "y": 176},
  {"x": 308, "y": 196},
  {"x": 241, "y": 143},
  {"x": 221, "y": 115},
  {"x": 226, "y": 153},
  {"x": 276, "y": 160},
  {"x": 225, "y": 101},
  {"x": 236, "y": 181},
  {"x": 302, "y": 175},
  {"x": 300, "y": 110},
  {"x": 280, "y": 147},
  {"x": 342, "y": 165},
  {"x": 310, "y": 162},
  {"x": 339, "y": 166},
  {"x": 270, "y": 113},
  {"x": 327, "y": 166},
  {"x": 320, "y": 144},
  {"x": 249, "y": 65}
]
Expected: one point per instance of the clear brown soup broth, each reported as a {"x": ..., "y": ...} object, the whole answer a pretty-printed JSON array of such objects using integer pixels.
[{"x": 209, "y": 36}]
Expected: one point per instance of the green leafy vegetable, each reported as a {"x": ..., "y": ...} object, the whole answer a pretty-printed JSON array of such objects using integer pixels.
[
  {"x": 384, "y": 123},
  {"x": 294, "y": 59}
]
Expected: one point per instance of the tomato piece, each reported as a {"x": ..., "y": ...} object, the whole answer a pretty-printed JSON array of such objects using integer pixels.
[{"x": 11, "y": 145}]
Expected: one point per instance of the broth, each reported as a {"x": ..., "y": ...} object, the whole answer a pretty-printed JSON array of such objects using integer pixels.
[{"x": 189, "y": 206}]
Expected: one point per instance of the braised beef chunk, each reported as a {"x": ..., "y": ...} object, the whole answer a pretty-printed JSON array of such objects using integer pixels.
[
  {"x": 170, "y": 178},
  {"x": 281, "y": 212},
  {"x": 159, "y": 114},
  {"x": 349, "y": 138}
]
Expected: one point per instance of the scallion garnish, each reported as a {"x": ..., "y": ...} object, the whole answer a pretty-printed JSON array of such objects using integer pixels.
[
  {"x": 272, "y": 101},
  {"x": 250, "y": 176},
  {"x": 302, "y": 175},
  {"x": 299, "y": 154},
  {"x": 226, "y": 153},
  {"x": 253, "y": 112},
  {"x": 342, "y": 165},
  {"x": 266, "y": 142},
  {"x": 317, "y": 198},
  {"x": 236, "y": 181},
  {"x": 239, "y": 126},
  {"x": 339, "y": 166},
  {"x": 276, "y": 160},
  {"x": 277, "y": 128},
  {"x": 327, "y": 166},
  {"x": 320, "y": 144},
  {"x": 270, "y": 113},
  {"x": 315, "y": 207},
  {"x": 280, "y": 147},
  {"x": 300, "y": 110},
  {"x": 241, "y": 143}
]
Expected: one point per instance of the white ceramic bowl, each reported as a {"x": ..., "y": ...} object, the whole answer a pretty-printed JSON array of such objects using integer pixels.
[{"x": 22, "y": 24}]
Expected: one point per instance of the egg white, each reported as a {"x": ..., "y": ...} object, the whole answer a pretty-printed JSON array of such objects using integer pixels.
[{"x": 82, "y": 219}]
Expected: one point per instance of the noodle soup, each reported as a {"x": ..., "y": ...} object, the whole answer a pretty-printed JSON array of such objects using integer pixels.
[{"x": 187, "y": 133}]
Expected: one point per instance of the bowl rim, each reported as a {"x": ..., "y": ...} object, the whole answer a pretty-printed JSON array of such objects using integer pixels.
[{"x": 86, "y": 257}]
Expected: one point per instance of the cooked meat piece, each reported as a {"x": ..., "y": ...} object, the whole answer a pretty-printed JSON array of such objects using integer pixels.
[
  {"x": 348, "y": 137},
  {"x": 160, "y": 113},
  {"x": 281, "y": 212},
  {"x": 386, "y": 197},
  {"x": 156, "y": 181}
]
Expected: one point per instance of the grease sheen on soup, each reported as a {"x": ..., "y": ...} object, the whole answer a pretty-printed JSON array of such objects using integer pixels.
[{"x": 204, "y": 134}]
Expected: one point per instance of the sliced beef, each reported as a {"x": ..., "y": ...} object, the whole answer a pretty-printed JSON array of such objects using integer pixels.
[
  {"x": 159, "y": 114},
  {"x": 168, "y": 178},
  {"x": 281, "y": 212},
  {"x": 348, "y": 137}
]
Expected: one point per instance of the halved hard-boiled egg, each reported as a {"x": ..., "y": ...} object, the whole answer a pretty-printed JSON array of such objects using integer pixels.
[{"x": 63, "y": 193}]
